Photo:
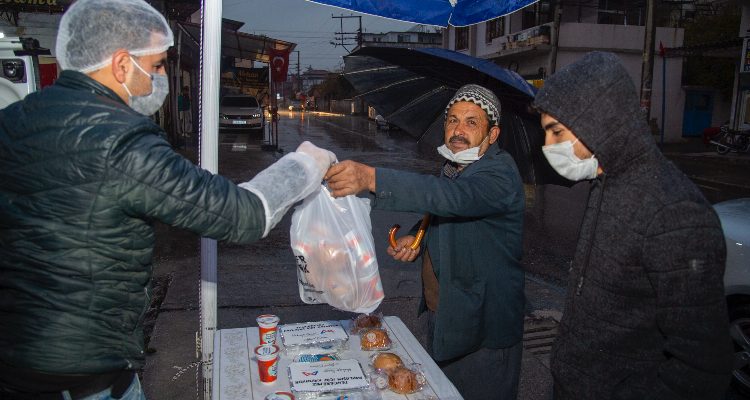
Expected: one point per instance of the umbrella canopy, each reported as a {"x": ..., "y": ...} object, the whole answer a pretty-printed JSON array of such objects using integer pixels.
[
  {"x": 433, "y": 12},
  {"x": 411, "y": 87}
]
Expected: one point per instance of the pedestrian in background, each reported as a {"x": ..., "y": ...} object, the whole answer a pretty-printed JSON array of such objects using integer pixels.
[
  {"x": 85, "y": 173},
  {"x": 184, "y": 111},
  {"x": 473, "y": 282},
  {"x": 645, "y": 315}
]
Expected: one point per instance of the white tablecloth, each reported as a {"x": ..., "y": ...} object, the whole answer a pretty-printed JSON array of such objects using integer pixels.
[{"x": 235, "y": 372}]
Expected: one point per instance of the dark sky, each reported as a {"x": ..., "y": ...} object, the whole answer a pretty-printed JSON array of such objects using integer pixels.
[{"x": 308, "y": 24}]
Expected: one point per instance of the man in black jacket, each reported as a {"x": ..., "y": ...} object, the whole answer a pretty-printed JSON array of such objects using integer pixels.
[
  {"x": 84, "y": 173},
  {"x": 645, "y": 315}
]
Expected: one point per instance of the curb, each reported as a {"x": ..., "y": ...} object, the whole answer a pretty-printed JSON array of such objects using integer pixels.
[{"x": 730, "y": 158}]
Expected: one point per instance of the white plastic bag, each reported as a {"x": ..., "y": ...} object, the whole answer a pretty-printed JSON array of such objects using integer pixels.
[{"x": 332, "y": 241}]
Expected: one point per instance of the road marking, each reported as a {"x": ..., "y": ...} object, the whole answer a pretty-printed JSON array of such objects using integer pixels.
[
  {"x": 554, "y": 287},
  {"x": 344, "y": 129},
  {"x": 539, "y": 334},
  {"x": 708, "y": 187}
]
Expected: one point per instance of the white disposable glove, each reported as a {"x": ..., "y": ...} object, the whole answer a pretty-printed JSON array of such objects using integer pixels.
[
  {"x": 289, "y": 180},
  {"x": 323, "y": 158}
]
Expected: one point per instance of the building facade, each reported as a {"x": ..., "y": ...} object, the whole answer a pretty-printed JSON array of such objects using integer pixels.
[
  {"x": 540, "y": 39},
  {"x": 419, "y": 36}
]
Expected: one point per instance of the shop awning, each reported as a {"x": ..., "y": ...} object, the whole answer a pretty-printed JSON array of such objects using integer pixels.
[{"x": 241, "y": 45}]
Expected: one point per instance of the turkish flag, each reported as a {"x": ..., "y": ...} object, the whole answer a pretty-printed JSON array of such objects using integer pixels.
[{"x": 278, "y": 60}]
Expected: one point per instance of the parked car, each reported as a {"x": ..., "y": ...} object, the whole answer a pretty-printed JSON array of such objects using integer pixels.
[
  {"x": 241, "y": 112},
  {"x": 295, "y": 105},
  {"x": 735, "y": 222}
]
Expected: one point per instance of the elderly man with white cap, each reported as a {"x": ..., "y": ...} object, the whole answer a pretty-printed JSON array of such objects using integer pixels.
[
  {"x": 471, "y": 273},
  {"x": 84, "y": 174}
]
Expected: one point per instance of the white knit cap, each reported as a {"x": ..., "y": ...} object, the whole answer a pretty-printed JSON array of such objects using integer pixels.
[{"x": 480, "y": 96}]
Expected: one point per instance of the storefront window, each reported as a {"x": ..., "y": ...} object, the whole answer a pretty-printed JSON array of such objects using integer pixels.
[
  {"x": 495, "y": 29},
  {"x": 621, "y": 12},
  {"x": 462, "y": 38}
]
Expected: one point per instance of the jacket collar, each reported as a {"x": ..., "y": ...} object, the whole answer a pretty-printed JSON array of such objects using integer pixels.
[{"x": 77, "y": 80}]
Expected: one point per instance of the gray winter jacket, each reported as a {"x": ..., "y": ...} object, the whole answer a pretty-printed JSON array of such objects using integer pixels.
[
  {"x": 83, "y": 178},
  {"x": 645, "y": 315}
]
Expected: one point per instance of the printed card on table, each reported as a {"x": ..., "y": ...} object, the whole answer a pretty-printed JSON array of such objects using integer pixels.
[
  {"x": 312, "y": 332},
  {"x": 327, "y": 376}
]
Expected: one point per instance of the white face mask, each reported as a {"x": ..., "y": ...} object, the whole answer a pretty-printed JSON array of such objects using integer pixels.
[
  {"x": 463, "y": 157},
  {"x": 151, "y": 103},
  {"x": 564, "y": 160}
]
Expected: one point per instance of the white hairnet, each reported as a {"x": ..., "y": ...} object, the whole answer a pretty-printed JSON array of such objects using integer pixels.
[{"x": 92, "y": 30}]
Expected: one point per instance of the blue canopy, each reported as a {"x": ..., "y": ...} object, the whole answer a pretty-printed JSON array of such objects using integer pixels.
[{"x": 433, "y": 12}]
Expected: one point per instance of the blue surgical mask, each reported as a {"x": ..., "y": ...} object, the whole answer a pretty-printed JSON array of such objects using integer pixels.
[
  {"x": 563, "y": 159},
  {"x": 149, "y": 104}
]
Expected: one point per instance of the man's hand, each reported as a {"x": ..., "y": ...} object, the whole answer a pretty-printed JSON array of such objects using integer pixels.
[
  {"x": 349, "y": 177},
  {"x": 323, "y": 158},
  {"x": 403, "y": 252}
]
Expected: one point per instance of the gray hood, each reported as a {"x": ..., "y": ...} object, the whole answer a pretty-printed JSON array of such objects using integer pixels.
[{"x": 596, "y": 99}]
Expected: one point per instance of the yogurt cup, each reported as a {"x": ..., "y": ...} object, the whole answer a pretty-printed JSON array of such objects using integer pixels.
[
  {"x": 268, "y": 362},
  {"x": 280, "y": 396},
  {"x": 267, "y": 324}
]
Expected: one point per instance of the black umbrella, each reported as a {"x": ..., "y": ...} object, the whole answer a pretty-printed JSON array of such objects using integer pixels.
[{"x": 411, "y": 87}]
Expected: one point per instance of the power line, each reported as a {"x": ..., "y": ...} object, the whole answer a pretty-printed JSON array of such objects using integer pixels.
[{"x": 343, "y": 40}]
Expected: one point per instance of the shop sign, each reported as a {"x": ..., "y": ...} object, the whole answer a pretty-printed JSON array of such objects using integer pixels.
[{"x": 252, "y": 77}]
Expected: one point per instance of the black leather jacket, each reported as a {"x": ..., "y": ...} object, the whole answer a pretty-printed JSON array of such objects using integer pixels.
[{"x": 82, "y": 178}]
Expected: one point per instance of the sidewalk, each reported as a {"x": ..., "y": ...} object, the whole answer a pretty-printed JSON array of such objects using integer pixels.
[{"x": 695, "y": 148}]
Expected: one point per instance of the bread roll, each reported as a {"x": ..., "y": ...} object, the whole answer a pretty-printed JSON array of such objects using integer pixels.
[
  {"x": 403, "y": 380},
  {"x": 375, "y": 339},
  {"x": 387, "y": 361}
]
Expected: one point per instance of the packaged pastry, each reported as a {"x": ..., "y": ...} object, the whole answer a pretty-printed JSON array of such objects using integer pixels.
[
  {"x": 375, "y": 339},
  {"x": 386, "y": 361},
  {"x": 405, "y": 380},
  {"x": 323, "y": 337},
  {"x": 366, "y": 321}
]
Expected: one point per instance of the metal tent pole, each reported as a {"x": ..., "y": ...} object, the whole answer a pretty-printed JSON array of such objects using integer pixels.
[{"x": 210, "y": 71}]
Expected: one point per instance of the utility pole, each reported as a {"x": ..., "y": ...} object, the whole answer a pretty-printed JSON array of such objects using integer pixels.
[
  {"x": 647, "y": 67},
  {"x": 344, "y": 38},
  {"x": 555, "y": 38},
  {"x": 299, "y": 84}
]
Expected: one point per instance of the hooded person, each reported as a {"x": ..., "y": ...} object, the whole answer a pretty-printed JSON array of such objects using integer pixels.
[
  {"x": 645, "y": 315},
  {"x": 473, "y": 282},
  {"x": 84, "y": 173}
]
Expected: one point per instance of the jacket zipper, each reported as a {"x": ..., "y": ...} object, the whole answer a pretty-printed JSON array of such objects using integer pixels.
[{"x": 582, "y": 278}]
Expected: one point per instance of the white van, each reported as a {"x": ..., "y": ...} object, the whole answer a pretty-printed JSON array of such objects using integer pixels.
[{"x": 18, "y": 76}]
